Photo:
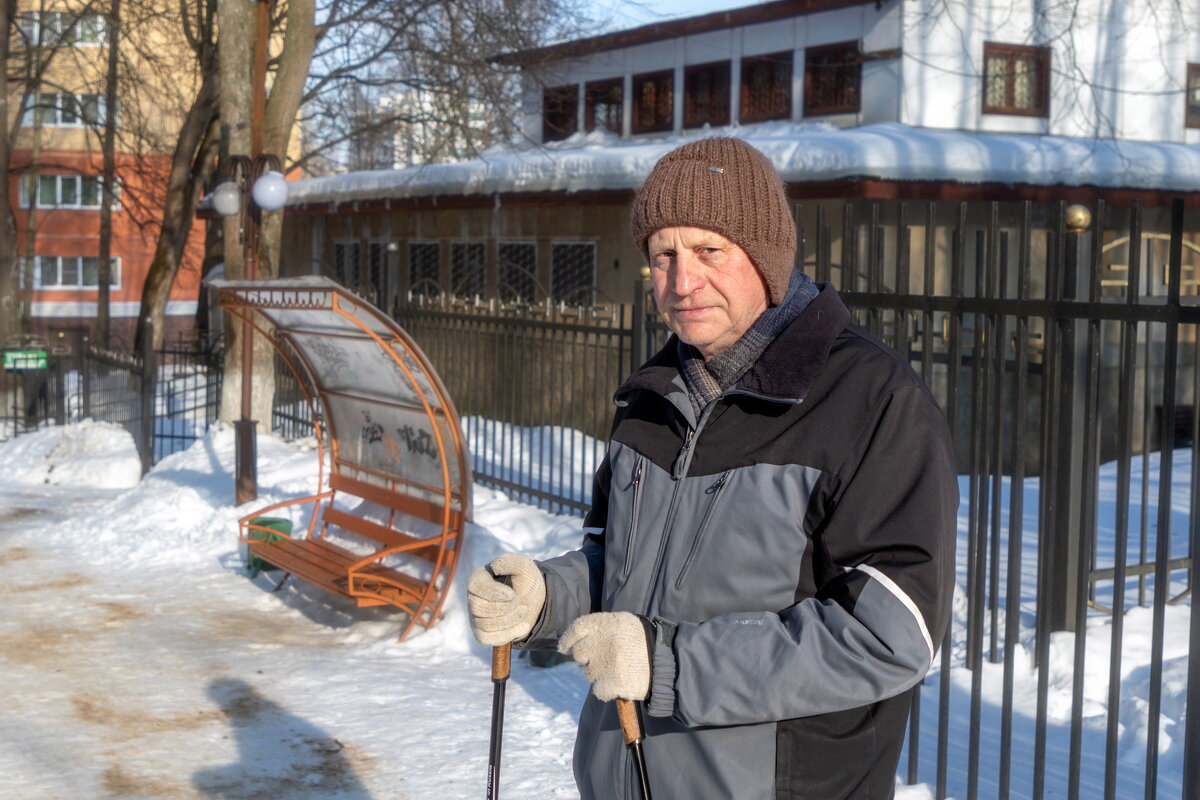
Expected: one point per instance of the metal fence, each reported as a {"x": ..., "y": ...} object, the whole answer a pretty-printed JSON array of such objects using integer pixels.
[
  {"x": 533, "y": 386},
  {"x": 1044, "y": 386},
  {"x": 165, "y": 408},
  {"x": 1066, "y": 360}
]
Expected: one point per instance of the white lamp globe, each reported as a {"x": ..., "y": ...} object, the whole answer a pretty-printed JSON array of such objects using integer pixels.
[
  {"x": 270, "y": 191},
  {"x": 227, "y": 199}
]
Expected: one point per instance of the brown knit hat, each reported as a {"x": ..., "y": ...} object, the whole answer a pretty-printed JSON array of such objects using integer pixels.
[{"x": 727, "y": 186}]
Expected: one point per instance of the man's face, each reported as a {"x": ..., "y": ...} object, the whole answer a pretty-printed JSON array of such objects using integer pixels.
[{"x": 707, "y": 289}]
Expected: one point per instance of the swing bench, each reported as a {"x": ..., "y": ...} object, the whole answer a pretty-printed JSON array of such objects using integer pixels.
[{"x": 386, "y": 524}]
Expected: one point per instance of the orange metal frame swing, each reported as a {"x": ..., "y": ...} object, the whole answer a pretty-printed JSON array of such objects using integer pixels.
[{"x": 394, "y": 482}]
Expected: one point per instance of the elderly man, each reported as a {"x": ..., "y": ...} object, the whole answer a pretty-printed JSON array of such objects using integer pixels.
[{"x": 767, "y": 564}]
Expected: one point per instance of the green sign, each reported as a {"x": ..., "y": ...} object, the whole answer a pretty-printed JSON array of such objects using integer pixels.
[{"x": 25, "y": 359}]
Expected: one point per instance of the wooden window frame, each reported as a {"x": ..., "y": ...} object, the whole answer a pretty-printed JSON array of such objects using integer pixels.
[
  {"x": 745, "y": 111},
  {"x": 610, "y": 89},
  {"x": 1191, "y": 105},
  {"x": 722, "y": 71},
  {"x": 1041, "y": 84},
  {"x": 567, "y": 97},
  {"x": 654, "y": 126},
  {"x": 853, "y": 64}
]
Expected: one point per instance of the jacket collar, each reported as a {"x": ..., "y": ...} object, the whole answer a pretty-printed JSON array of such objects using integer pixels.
[{"x": 785, "y": 370}]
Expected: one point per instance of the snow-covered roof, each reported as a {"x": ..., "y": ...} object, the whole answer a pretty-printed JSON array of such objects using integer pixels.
[{"x": 802, "y": 152}]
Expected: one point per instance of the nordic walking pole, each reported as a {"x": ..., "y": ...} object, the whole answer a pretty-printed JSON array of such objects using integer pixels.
[
  {"x": 627, "y": 713},
  {"x": 501, "y": 666}
]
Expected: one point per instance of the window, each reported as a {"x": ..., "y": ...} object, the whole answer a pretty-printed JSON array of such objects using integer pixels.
[
  {"x": 72, "y": 272},
  {"x": 602, "y": 107},
  {"x": 59, "y": 27},
  {"x": 346, "y": 258},
  {"x": 66, "y": 110},
  {"x": 424, "y": 268},
  {"x": 67, "y": 191},
  {"x": 1016, "y": 80},
  {"x": 1192, "y": 96},
  {"x": 517, "y": 272},
  {"x": 653, "y": 102},
  {"x": 832, "y": 79},
  {"x": 467, "y": 271},
  {"x": 706, "y": 95},
  {"x": 766, "y": 91},
  {"x": 572, "y": 271},
  {"x": 560, "y": 107},
  {"x": 377, "y": 271}
]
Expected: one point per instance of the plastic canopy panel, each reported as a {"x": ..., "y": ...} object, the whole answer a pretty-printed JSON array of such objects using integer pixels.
[{"x": 388, "y": 420}]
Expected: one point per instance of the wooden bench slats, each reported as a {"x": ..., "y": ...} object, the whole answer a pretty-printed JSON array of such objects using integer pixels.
[
  {"x": 327, "y": 566},
  {"x": 382, "y": 533},
  {"x": 421, "y": 509}
]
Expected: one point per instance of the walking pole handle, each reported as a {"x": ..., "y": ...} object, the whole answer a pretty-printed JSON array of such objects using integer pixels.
[
  {"x": 627, "y": 714},
  {"x": 501, "y": 662}
]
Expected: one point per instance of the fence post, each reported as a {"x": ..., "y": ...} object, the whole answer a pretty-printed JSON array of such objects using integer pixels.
[
  {"x": 60, "y": 392},
  {"x": 85, "y": 379},
  {"x": 1067, "y": 536},
  {"x": 641, "y": 287},
  {"x": 149, "y": 374}
]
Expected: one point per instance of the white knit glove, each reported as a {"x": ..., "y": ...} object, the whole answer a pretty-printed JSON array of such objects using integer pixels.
[
  {"x": 613, "y": 650},
  {"x": 504, "y": 611}
]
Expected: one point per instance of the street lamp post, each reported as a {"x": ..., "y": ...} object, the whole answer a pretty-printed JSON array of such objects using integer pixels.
[{"x": 247, "y": 188}]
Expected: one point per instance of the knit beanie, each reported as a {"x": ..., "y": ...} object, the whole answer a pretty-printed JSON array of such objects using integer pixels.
[{"x": 724, "y": 185}]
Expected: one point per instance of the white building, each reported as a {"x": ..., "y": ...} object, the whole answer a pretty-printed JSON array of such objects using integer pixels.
[{"x": 1079, "y": 68}]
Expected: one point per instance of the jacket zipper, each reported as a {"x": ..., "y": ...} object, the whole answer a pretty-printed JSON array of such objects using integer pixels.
[
  {"x": 631, "y": 539},
  {"x": 714, "y": 491},
  {"x": 683, "y": 462}
]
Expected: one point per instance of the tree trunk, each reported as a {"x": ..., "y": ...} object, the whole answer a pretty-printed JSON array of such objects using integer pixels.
[
  {"x": 108, "y": 147},
  {"x": 9, "y": 290},
  {"x": 190, "y": 171}
]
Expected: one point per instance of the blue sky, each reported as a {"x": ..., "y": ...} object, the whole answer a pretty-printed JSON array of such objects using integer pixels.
[{"x": 621, "y": 14}]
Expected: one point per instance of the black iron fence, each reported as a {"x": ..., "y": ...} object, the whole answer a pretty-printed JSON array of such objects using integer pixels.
[{"x": 165, "y": 408}]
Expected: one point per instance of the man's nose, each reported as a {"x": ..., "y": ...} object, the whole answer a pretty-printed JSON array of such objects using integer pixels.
[{"x": 688, "y": 275}]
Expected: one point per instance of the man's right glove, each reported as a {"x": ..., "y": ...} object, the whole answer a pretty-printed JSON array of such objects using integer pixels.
[{"x": 505, "y": 599}]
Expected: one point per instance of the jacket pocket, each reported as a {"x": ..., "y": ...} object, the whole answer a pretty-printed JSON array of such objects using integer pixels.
[
  {"x": 714, "y": 494},
  {"x": 635, "y": 511}
]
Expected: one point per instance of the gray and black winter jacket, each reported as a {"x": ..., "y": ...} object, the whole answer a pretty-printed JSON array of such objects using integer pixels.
[{"x": 794, "y": 546}]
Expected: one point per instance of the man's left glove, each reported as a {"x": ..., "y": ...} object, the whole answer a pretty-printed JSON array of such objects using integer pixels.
[{"x": 614, "y": 649}]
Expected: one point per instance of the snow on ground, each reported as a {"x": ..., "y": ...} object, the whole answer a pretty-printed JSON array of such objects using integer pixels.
[{"x": 139, "y": 660}]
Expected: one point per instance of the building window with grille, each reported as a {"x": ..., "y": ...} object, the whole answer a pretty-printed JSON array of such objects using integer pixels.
[
  {"x": 653, "y": 102},
  {"x": 603, "y": 102},
  {"x": 467, "y": 271},
  {"x": 67, "y": 110},
  {"x": 346, "y": 258},
  {"x": 55, "y": 28},
  {"x": 67, "y": 191},
  {"x": 706, "y": 95},
  {"x": 1193, "y": 96},
  {"x": 424, "y": 268},
  {"x": 766, "y": 91},
  {"x": 560, "y": 108},
  {"x": 1016, "y": 80},
  {"x": 72, "y": 272},
  {"x": 516, "y": 272},
  {"x": 573, "y": 271},
  {"x": 832, "y": 79}
]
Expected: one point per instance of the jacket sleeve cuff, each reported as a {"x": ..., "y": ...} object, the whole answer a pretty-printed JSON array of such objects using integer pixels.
[{"x": 662, "y": 670}]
